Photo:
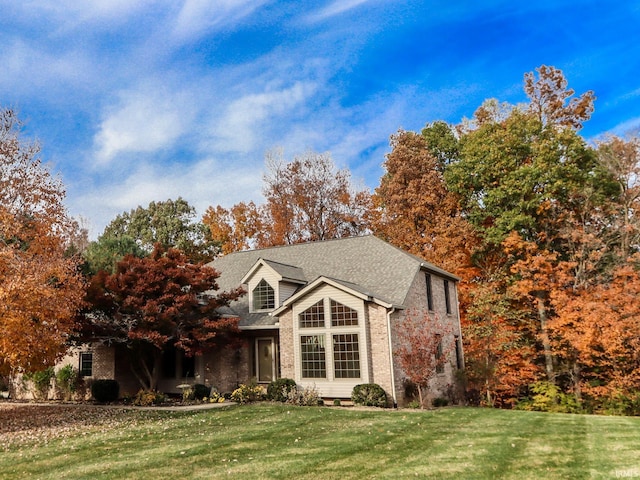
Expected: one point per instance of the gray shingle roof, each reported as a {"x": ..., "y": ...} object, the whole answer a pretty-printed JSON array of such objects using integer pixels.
[{"x": 370, "y": 264}]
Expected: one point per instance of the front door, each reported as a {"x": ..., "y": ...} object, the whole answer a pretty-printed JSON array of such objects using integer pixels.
[{"x": 265, "y": 359}]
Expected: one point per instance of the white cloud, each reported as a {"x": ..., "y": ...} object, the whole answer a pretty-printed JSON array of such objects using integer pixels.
[
  {"x": 197, "y": 17},
  {"x": 146, "y": 120},
  {"x": 335, "y": 8},
  {"x": 205, "y": 183},
  {"x": 246, "y": 118}
]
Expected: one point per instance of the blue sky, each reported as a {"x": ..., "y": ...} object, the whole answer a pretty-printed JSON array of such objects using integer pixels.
[{"x": 141, "y": 100}]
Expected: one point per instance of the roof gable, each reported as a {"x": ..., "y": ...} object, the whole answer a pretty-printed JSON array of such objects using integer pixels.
[{"x": 286, "y": 273}]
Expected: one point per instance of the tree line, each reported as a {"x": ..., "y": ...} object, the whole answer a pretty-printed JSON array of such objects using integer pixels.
[{"x": 540, "y": 225}]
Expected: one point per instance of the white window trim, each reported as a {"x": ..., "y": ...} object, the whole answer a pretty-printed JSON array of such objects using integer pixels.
[{"x": 329, "y": 331}]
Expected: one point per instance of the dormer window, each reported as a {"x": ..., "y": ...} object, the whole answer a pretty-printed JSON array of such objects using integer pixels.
[{"x": 263, "y": 296}]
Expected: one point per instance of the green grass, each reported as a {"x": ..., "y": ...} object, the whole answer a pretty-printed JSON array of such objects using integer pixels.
[{"x": 278, "y": 441}]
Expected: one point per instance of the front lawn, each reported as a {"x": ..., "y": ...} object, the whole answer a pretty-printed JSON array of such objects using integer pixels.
[{"x": 279, "y": 441}]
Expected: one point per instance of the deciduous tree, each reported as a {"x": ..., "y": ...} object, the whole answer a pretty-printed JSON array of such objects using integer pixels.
[
  {"x": 169, "y": 223},
  {"x": 40, "y": 286},
  {"x": 424, "y": 346},
  {"x": 309, "y": 199},
  {"x": 414, "y": 210},
  {"x": 151, "y": 304}
]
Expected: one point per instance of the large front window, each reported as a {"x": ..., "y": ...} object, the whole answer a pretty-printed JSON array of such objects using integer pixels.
[
  {"x": 330, "y": 347},
  {"x": 312, "y": 353},
  {"x": 346, "y": 356},
  {"x": 263, "y": 296}
]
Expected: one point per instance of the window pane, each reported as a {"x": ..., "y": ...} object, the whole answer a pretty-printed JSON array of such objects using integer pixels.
[
  {"x": 341, "y": 315},
  {"x": 346, "y": 356},
  {"x": 312, "y": 353},
  {"x": 263, "y": 296},
  {"x": 86, "y": 364},
  {"x": 313, "y": 316}
]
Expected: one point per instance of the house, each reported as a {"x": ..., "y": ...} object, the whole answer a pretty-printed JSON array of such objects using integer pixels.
[{"x": 325, "y": 314}]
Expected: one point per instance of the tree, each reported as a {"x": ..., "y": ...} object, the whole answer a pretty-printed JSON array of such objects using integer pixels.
[
  {"x": 154, "y": 303},
  {"x": 235, "y": 229},
  {"x": 414, "y": 210},
  {"x": 548, "y": 95},
  {"x": 425, "y": 345},
  {"x": 308, "y": 199},
  {"x": 622, "y": 160},
  {"x": 40, "y": 286},
  {"x": 107, "y": 251},
  {"x": 169, "y": 223}
]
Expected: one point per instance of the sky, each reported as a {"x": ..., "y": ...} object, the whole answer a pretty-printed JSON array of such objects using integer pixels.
[{"x": 134, "y": 101}]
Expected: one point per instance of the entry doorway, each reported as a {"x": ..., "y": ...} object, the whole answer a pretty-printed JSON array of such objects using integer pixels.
[{"x": 265, "y": 359}]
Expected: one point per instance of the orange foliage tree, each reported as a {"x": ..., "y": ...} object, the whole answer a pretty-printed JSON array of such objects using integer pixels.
[
  {"x": 414, "y": 210},
  {"x": 307, "y": 199},
  {"x": 40, "y": 286}
]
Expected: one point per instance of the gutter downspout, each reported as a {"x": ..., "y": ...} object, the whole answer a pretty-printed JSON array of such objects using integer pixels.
[{"x": 393, "y": 377}]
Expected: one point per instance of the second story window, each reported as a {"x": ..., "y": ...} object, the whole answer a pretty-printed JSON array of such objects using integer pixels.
[
  {"x": 263, "y": 296},
  {"x": 447, "y": 296},
  {"x": 427, "y": 277}
]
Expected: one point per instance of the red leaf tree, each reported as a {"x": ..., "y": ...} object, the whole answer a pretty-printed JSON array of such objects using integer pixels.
[
  {"x": 425, "y": 345},
  {"x": 154, "y": 303}
]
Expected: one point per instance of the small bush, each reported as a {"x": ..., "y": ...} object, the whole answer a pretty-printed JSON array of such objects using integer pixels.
[
  {"x": 68, "y": 381},
  {"x": 414, "y": 404},
  {"x": 304, "y": 397},
  {"x": 200, "y": 391},
  {"x": 549, "y": 398},
  {"x": 369, "y": 395},
  {"x": 41, "y": 382},
  {"x": 337, "y": 402},
  {"x": 440, "y": 402},
  {"x": 105, "y": 390},
  {"x": 248, "y": 393},
  {"x": 147, "y": 398},
  {"x": 278, "y": 390}
]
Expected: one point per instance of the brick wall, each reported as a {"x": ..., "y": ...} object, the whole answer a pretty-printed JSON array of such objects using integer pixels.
[{"x": 287, "y": 362}]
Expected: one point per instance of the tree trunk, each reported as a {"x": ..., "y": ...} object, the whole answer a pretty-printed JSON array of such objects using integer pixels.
[{"x": 544, "y": 335}]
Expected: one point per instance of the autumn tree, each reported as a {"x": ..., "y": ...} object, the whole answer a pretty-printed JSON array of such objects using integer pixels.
[
  {"x": 413, "y": 208},
  {"x": 622, "y": 160},
  {"x": 425, "y": 345},
  {"x": 238, "y": 228},
  {"x": 552, "y": 102},
  {"x": 309, "y": 199},
  {"x": 40, "y": 286},
  {"x": 158, "y": 302}
]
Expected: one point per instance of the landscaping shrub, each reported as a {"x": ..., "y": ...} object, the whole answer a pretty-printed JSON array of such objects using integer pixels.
[
  {"x": 279, "y": 389},
  {"x": 41, "y": 382},
  {"x": 200, "y": 391},
  {"x": 146, "y": 398},
  {"x": 369, "y": 395},
  {"x": 248, "y": 393},
  {"x": 68, "y": 381},
  {"x": 105, "y": 390},
  {"x": 440, "y": 402},
  {"x": 305, "y": 397}
]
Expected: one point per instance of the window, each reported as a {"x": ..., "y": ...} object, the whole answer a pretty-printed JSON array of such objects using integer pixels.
[
  {"x": 263, "y": 296},
  {"x": 313, "y": 317},
  {"x": 439, "y": 353},
  {"x": 459, "y": 363},
  {"x": 86, "y": 364},
  {"x": 332, "y": 349},
  {"x": 429, "y": 291},
  {"x": 346, "y": 356},
  {"x": 312, "y": 353},
  {"x": 447, "y": 297},
  {"x": 341, "y": 315}
]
